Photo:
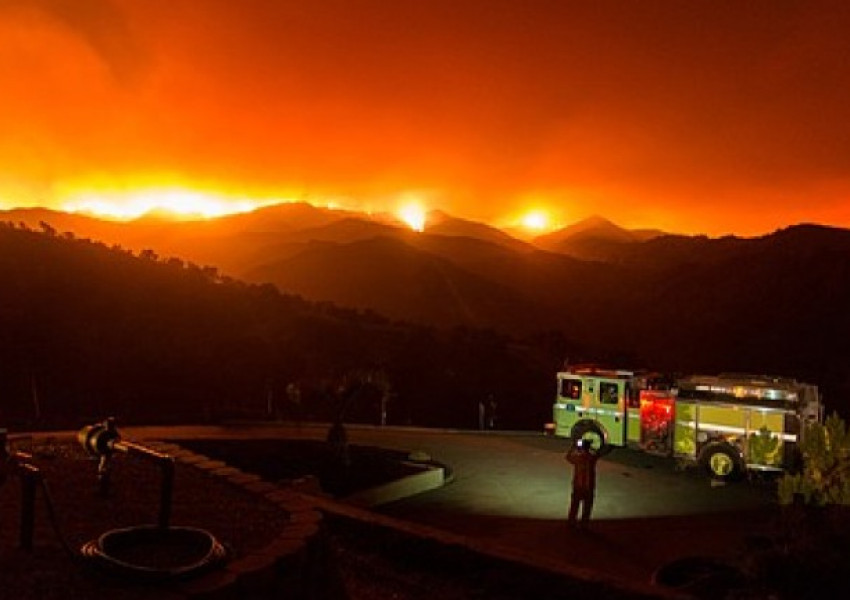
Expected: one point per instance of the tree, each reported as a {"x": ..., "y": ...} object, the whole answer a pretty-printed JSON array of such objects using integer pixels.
[
  {"x": 148, "y": 254},
  {"x": 354, "y": 385},
  {"x": 825, "y": 478},
  {"x": 809, "y": 557},
  {"x": 47, "y": 228},
  {"x": 360, "y": 383}
]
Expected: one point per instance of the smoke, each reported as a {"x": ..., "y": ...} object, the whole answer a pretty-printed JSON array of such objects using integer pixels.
[{"x": 102, "y": 24}]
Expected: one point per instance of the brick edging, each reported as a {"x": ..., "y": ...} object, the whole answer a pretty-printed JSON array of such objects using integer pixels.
[{"x": 276, "y": 565}]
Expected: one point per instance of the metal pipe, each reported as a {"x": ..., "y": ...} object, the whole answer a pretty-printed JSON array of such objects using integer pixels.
[
  {"x": 103, "y": 440},
  {"x": 166, "y": 465},
  {"x": 18, "y": 463},
  {"x": 29, "y": 479}
]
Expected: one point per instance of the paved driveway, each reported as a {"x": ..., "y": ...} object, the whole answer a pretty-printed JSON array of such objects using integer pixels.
[{"x": 511, "y": 490}]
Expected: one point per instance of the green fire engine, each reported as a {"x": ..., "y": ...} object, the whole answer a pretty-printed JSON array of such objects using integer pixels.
[{"x": 728, "y": 423}]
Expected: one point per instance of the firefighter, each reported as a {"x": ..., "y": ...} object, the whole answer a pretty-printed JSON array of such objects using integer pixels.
[{"x": 583, "y": 458}]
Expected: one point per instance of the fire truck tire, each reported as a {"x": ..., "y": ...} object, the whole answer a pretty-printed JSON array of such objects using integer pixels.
[
  {"x": 721, "y": 461},
  {"x": 593, "y": 431}
]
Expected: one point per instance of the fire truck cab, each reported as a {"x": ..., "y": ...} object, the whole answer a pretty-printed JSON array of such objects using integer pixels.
[{"x": 603, "y": 404}]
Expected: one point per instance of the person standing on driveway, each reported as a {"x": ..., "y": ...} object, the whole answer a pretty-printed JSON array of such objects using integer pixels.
[{"x": 583, "y": 459}]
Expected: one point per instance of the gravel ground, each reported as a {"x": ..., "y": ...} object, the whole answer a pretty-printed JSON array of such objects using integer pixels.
[
  {"x": 357, "y": 565},
  {"x": 235, "y": 517}
]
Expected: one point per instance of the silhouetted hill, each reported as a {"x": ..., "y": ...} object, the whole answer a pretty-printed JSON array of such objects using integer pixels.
[
  {"x": 594, "y": 226},
  {"x": 62, "y": 222},
  {"x": 242, "y": 243},
  {"x": 90, "y": 331},
  {"x": 594, "y": 238},
  {"x": 675, "y": 251},
  {"x": 350, "y": 229},
  {"x": 280, "y": 217},
  {"x": 442, "y": 224},
  {"x": 397, "y": 279},
  {"x": 774, "y": 304}
]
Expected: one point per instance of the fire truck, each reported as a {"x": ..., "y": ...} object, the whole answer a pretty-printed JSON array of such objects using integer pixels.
[{"x": 727, "y": 424}]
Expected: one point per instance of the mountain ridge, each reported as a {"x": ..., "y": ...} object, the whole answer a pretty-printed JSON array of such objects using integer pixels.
[{"x": 775, "y": 303}]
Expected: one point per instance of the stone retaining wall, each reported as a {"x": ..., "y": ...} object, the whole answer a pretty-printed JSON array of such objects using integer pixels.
[
  {"x": 293, "y": 565},
  {"x": 298, "y": 564}
]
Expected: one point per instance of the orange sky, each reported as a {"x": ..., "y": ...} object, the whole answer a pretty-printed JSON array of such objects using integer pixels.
[{"x": 700, "y": 116}]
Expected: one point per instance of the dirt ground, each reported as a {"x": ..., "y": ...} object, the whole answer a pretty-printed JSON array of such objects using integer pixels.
[{"x": 234, "y": 517}]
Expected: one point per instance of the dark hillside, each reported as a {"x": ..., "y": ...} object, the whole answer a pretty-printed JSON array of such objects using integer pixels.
[
  {"x": 87, "y": 330},
  {"x": 441, "y": 224},
  {"x": 594, "y": 238},
  {"x": 395, "y": 278},
  {"x": 778, "y": 305}
]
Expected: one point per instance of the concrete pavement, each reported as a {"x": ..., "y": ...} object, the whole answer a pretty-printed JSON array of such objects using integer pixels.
[{"x": 510, "y": 490}]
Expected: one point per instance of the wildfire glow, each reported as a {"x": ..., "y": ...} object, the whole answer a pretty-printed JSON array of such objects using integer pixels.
[
  {"x": 179, "y": 203},
  {"x": 414, "y": 215},
  {"x": 536, "y": 220}
]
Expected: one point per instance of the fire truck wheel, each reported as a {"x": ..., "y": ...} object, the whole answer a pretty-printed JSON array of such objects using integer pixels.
[
  {"x": 592, "y": 431},
  {"x": 721, "y": 461}
]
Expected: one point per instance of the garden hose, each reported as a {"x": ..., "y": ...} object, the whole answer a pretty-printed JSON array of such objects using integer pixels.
[{"x": 143, "y": 542}]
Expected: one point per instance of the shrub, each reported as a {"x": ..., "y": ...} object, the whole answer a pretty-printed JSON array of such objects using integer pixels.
[{"x": 825, "y": 477}]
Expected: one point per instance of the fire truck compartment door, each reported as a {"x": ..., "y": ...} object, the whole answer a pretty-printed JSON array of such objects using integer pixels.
[{"x": 608, "y": 404}]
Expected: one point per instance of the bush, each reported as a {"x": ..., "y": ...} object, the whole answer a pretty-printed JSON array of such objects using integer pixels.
[
  {"x": 825, "y": 478},
  {"x": 808, "y": 556}
]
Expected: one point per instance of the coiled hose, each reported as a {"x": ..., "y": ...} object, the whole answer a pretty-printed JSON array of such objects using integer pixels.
[
  {"x": 136, "y": 552},
  {"x": 201, "y": 548}
]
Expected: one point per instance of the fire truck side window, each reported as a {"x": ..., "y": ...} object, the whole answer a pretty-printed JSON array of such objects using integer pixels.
[
  {"x": 570, "y": 388},
  {"x": 608, "y": 393}
]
